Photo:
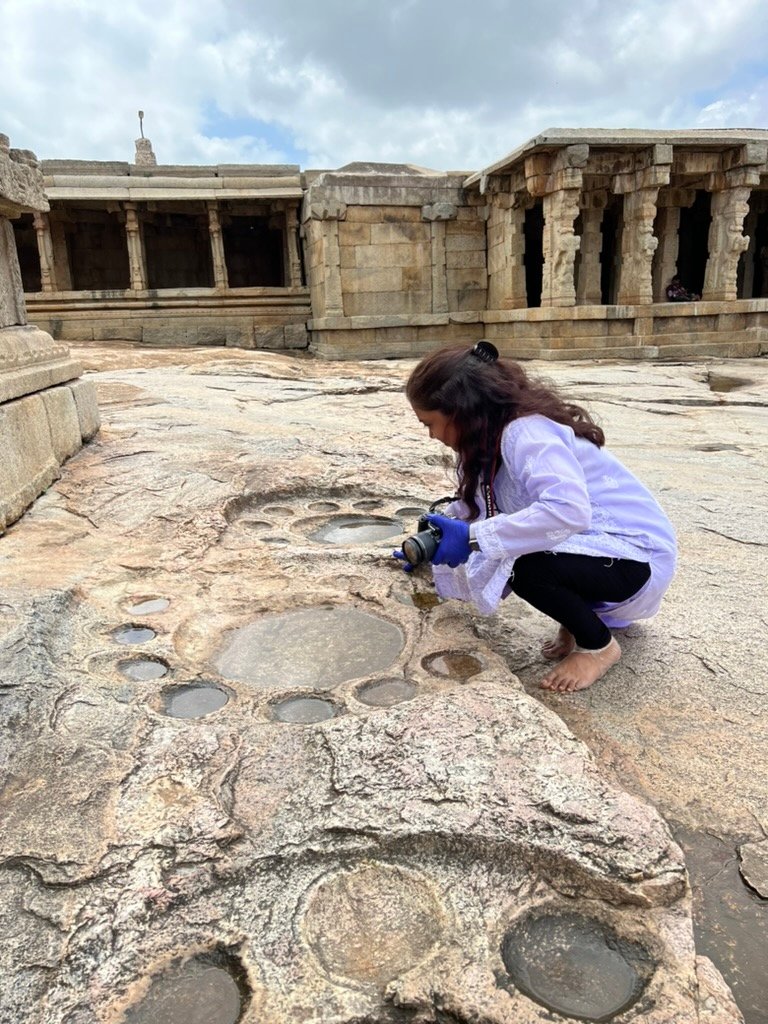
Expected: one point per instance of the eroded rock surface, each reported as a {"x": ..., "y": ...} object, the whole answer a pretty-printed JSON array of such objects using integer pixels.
[{"x": 366, "y": 867}]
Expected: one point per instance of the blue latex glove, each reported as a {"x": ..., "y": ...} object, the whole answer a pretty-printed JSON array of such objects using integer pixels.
[
  {"x": 407, "y": 567},
  {"x": 453, "y": 548}
]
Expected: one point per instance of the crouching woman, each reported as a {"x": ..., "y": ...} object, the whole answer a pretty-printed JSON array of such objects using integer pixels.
[{"x": 543, "y": 510}]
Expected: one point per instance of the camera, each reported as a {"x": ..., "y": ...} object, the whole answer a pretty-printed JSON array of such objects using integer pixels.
[{"x": 421, "y": 547}]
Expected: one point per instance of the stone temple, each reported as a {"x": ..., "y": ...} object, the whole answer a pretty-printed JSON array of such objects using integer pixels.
[{"x": 562, "y": 249}]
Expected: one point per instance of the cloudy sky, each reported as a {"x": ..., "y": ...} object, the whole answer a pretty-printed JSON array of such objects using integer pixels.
[{"x": 440, "y": 83}]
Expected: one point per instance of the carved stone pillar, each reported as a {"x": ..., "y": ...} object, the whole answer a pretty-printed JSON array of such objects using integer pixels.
[
  {"x": 665, "y": 263},
  {"x": 561, "y": 244},
  {"x": 638, "y": 244},
  {"x": 220, "y": 279},
  {"x": 13, "y": 308},
  {"x": 136, "y": 262},
  {"x": 588, "y": 283},
  {"x": 726, "y": 243},
  {"x": 45, "y": 251},
  {"x": 292, "y": 256},
  {"x": 750, "y": 226},
  {"x": 506, "y": 253}
]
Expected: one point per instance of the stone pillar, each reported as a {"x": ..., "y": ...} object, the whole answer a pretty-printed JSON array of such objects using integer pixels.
[
  {"x": 750, "y": 226},
  {"x": 506, "y": 252},
  {"x": 558, "y": 179},
  {"x": 220, "y": 279},
  {"x": 726, "y": 243},
  {"x": 561, "y": 244},
  {"x": 731, "y": 190},
  {"x": 437, "y": 214},
  {"x": 136, "y": 262},
  {"x": 45, "y": 414},
  {"x": 327, "y": 296},
  {"x": 62, "y": 273},
  {"x": 640, "y": 188},
  {"x": 588, "y": 284},
  {"x": 13, "y": 308},
  {"x": 45, "y": 250},
  {"x": 293, "y": 259},
  {"x": 665, "y": 263}
]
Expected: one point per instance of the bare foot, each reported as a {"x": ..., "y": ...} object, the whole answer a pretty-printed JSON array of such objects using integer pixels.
[
  {"x": 581, "y": 668},
  {"x": 563, "y": 644}
]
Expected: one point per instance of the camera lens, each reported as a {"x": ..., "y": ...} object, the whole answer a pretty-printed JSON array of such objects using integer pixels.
[{"x": 421, "y": 547}]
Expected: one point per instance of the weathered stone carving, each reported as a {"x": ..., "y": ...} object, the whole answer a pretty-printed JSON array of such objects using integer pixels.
[{"x": 726, "y": 242}]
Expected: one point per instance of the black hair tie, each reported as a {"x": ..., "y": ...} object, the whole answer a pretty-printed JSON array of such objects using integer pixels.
[{"x": 485, "y": 352}]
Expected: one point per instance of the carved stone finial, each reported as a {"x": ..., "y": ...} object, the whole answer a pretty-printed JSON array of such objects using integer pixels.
[{"x": 144, "y": 154}]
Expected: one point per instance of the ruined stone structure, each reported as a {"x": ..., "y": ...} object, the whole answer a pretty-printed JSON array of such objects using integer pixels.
[
  {"x": 563, "y": 249},
  {"x": 167, "y": 255},
  {"x": 45, "y": 412}
]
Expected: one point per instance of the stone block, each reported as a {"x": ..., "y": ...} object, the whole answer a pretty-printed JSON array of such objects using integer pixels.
[
  {"x": 354, "y": 233},
  {"x": 63, "y": 421},
  {"x": 28, "y": 465},
  {"x": 372, "y": 280},
  {"x": 31, "y": 360},
  {"x": 468, "y": 299},
  {"x": 417, "y": 278},
  {"x": 395, "y": 255},
  {"x": 120, "y": 330},
  {"x": 384, "y": 303},
  {"x": 296, "y": 336},
  {"x": 464, "y": 259},
  {"x": 455, "y": 242},
  {"x": 84, "y": 394},
  {"x": 400, "y": 231},
  {"x": 466, "y": 278}
]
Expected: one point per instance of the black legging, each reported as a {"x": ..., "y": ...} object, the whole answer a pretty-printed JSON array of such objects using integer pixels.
[{"x": 565, "y": 587}]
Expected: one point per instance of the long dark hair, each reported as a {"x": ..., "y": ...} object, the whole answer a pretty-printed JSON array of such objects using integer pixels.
[{"x": 481, "y": 394}]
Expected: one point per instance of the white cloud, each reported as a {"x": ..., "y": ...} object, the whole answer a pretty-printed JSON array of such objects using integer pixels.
[{"x": 433, "y": 82}]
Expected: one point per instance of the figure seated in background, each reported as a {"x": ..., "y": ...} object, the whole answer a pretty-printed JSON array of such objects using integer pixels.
[{"x": 677, "y": 292}]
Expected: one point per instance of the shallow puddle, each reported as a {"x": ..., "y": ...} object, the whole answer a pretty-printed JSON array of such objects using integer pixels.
[
  {"x": 452, "y": 664},
  {"x": 385, "y": 693},
  {"x": 722, "y": 383},
  {"x": 315, "y": 648},
  {"x": 574, "y": 966},
  {"x": 142, "y": 669},
  {"x": 133, "y": 634},
  {"x": 149, "y": 607},
  {"x": 356, "y": 529},
  {"x": 196, "y": 992},
  {"x": 303, "y": 710},
  {"x": 194, "y": 700},
  {"x": 730, "y": 920}
]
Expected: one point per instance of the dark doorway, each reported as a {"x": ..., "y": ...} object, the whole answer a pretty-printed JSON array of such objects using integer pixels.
[
  {"x": 760, "y": 279},
  {"x": 693, "y": 235},
  {"x": 178, "y": 251},
  {"x": 98, "y": 251},
  {"x": 610, "y": 254},
  {"x": 254, "y": 252},
  {"x": 28, "y": 253},
  {"x": 533, "y": 232}
]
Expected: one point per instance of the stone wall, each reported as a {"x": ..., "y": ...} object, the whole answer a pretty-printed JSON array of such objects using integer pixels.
[
  {"x": 395, "y": 260},
  {"x": 46, "y": 413}
]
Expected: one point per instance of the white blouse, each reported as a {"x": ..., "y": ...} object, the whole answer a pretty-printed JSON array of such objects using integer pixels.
[{"x": 558, "y": 492}]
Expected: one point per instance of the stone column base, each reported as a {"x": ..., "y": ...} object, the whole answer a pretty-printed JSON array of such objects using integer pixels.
[{"x": 45, "y": 416}]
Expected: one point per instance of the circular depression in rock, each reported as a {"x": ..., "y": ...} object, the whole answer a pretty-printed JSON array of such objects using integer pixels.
[
  {"x": 323, "y": 506},
  {"x": 575, "y": 966},
  {"x": 452, "y": 664},
  {"x": 131, "y": 634},
  {"x": 150, "y": 606},
  {"x": 385, "y": 693},
  {"x": 311, "y": 648},
  {"x": 198, "y": 991},
  {"x": 367, "y": 504},
  {"x": 303, "y": 710},
  {"x": 372, "y": 923},
  {"x": 355, "y": 529},
  {"x": 141, "y": 670},
  {"x": 193, "y": 700}
]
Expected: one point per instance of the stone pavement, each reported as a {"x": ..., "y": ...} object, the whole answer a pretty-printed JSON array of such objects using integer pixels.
[{"x": 373, "y": 865}]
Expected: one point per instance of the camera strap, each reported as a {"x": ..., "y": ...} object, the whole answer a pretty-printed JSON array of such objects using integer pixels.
[{"x": 487, "y": 485}]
